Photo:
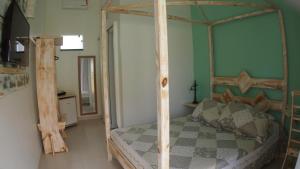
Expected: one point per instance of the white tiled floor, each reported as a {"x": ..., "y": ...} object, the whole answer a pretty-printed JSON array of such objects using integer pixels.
[{"x": 87, "y": 150}]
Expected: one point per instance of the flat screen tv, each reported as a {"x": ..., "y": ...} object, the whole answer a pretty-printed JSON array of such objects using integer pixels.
[{"x": 15, "y": 37}]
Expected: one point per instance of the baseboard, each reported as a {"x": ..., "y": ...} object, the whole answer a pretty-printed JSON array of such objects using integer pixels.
[{"x": 90, "y": 117}]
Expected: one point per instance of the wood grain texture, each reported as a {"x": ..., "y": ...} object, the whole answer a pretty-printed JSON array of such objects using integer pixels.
[
  {"x": 162, "y": 65},
  {"x": 243, "y": 16},
  {"x": 194, "y": 2},
  {"x": 245, "y": 82},
  {"x": 150, "y": 14},
  {"x": 275, "y": 105},
  {"x": 47, "y": 97},
  {"x": 211, "y": 58},
  {"x": 9, "y": 70},
  {"x": 58, "y": 40},
  {"x": 285, "y": 62},
  {"x": 120, "y": 156},
  {"x": 105, "y": 76}
]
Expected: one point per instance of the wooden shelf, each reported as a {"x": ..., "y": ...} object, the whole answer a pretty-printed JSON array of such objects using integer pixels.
[{"x": 10, "y": 70}]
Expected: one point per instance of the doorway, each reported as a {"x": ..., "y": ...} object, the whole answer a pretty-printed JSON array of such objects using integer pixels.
[{"x": 112, "y": 82}]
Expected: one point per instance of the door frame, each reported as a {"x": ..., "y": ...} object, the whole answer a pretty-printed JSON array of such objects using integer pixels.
[{"x": 117, "y": 71}]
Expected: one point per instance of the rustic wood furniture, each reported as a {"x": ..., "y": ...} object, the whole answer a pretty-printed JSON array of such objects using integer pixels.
[
  {"x": 293, "y": 147},
  {"x": 49, "y": 124},
  {"x": 244, "y": 81}
]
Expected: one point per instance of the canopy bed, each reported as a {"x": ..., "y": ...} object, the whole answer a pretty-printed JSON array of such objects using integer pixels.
[{"x": 130, "y": 146}]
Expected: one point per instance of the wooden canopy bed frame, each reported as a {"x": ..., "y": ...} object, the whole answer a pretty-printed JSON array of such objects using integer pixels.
[{"x": 244, "y": 81}]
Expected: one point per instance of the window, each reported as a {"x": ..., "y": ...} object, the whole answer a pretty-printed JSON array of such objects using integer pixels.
[{"x": 72, "y": 42}]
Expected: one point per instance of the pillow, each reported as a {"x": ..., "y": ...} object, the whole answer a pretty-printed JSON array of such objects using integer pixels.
[
  {"x": 209, "y": 111},
  {"x": 261, "y": 103},
  {"x": 242, "y": 119}
]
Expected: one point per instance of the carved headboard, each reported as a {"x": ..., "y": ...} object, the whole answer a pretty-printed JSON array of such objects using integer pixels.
[{"x": 245, "y": 82}]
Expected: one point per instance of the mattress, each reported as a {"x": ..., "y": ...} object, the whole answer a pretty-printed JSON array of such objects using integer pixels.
[{"x": 194, "y": 145}]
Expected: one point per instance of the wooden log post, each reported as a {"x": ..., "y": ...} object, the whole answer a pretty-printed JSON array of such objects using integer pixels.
[
  {"x": 285, "y": 64},
  {"x": 105, "y": 76},
  {"x": 211, "y": 59},
  {"x": 163, "y": 114},
  {"x": 47, "y": 97}
]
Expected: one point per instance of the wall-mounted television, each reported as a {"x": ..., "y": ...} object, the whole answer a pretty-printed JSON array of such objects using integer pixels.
[{"x": 15, "y": 37}]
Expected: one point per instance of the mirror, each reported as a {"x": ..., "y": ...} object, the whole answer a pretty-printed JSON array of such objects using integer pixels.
[{"x": 87, "y": 85}]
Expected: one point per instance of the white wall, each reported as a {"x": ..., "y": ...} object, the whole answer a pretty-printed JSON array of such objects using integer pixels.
[
  {"x": 60, "y": 21},
  {"x": 20, "y": 140},
  {"x": 138, "y": 69}
]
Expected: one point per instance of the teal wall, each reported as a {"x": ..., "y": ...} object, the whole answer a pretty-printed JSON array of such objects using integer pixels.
[{"x": 252, "y": 44}]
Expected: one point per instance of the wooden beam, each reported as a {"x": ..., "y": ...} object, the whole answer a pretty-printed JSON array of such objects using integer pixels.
[
  {"x": 105, "y": 75},
  {"x": 211, "y": 59},
  {"x": 150, "y": 14},
  {"x": 275, "y": 105},
  {"x": 120, "y": 156},
  {"x": 47, "y": 97},
  {"x": 58, "y": 40},
  {"x": 193, "y": 2},
  {"x": 258, "y": 83},
  {"x": 285, "y": 63},
  {"x": 163, "y": 119},
  {"x": 243, "y": 16}
]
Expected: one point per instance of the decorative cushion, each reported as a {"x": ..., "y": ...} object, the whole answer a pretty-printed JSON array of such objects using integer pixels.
[
  {"x": 242, "y": 119},
  {"x": 261, "y": 103},
  {"x": 209, "y": 111}
]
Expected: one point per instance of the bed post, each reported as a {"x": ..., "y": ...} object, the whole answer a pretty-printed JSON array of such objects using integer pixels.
[
  {"x": 163, "y": 125},
  {"x": 211, "y": 59},
  {"x": 285, "y": 65},
  {"x": 104, "y": 66}
]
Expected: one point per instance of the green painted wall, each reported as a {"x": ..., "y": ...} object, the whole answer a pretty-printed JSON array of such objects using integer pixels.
[{"x": 253, "y": 45}]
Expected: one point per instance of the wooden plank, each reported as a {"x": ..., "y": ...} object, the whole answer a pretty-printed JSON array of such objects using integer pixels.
[
  {"x": 58, "y": 40},
  {"x": 275, "y": 105},
  {"x": 10, "y": 70},
  {"x": 162, "y": 63},
  {"x": 296, "y": 130},
  {"x": 211, "y": 59},
  {"x": 194, "y": 2},
  {"x": 150, "y": 14},
  {"x": 47, "y": 97},
  {"x": 296, "y": 93},
  {"x": 105, "y": 76},
  {"x": 285, "y": 62},
  {"x": 120, "y": 156},
  {"x": 243, "y": 16},
  {"x": 258, "y": 83}
]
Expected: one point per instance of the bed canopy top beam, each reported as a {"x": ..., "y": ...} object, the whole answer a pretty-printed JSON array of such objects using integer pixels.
[
  {"x": 193, "y": 2},
  {"x": 243, "y": 16},
  {"x": 130, "y": 9},
  {"x": 151, "y": 14}
]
